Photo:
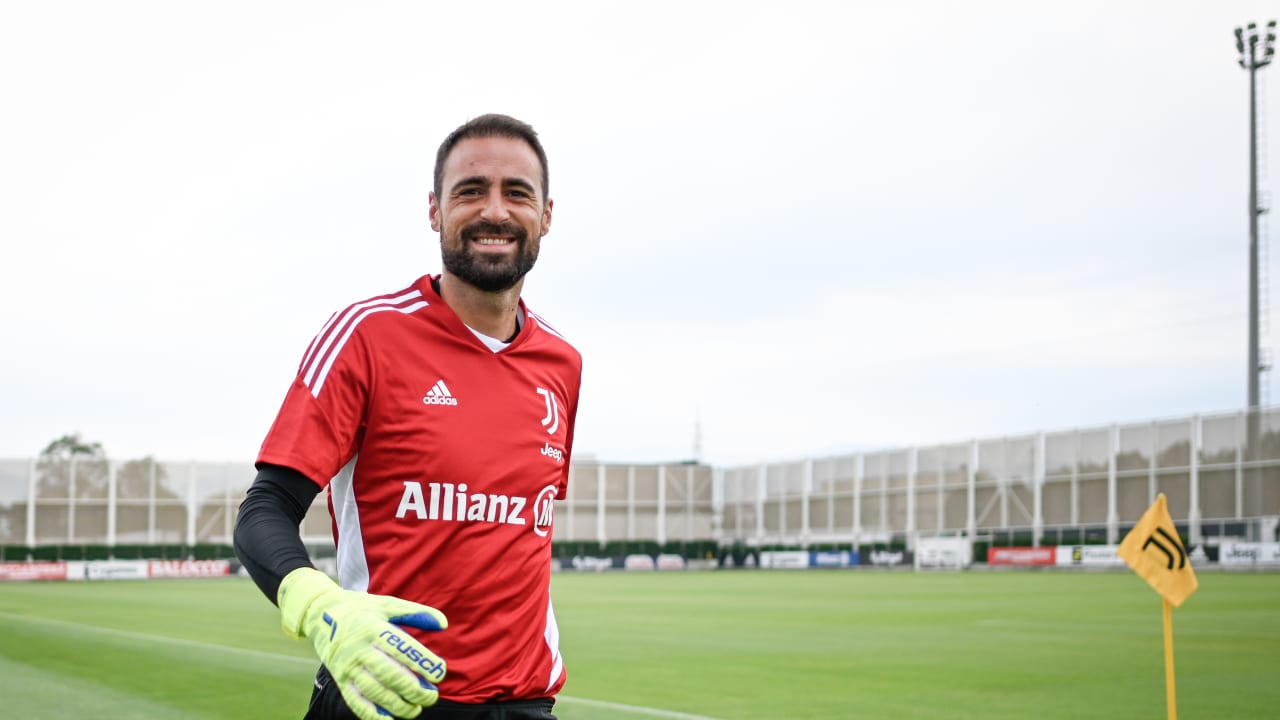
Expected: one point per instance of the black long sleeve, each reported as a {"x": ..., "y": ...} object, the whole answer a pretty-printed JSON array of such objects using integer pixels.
[{"x": 266, "y": 535}]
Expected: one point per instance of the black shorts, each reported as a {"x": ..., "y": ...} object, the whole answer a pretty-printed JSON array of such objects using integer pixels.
[{"x": 327, "y": 704}]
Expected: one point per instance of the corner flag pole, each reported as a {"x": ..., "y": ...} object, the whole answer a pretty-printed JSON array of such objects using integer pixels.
[
  {"x": 1170, "y": 694},
  {"x": 1156, "y": 553}
]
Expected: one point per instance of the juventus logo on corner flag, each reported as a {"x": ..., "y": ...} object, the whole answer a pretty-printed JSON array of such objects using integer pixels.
[{"x": 1153, "y": 550}]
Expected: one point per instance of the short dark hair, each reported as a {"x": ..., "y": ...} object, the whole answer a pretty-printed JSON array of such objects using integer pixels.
[{"x": 492, "y": 125}]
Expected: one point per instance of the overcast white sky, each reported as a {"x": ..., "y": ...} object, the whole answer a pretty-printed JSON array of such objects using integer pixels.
[{"x": 809, "y": 227}]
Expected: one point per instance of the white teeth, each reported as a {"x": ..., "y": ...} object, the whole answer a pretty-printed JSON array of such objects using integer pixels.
[{"x": 491, "y": 241}]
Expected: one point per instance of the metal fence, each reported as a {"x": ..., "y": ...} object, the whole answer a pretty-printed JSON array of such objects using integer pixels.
[
  {"x": 148, "y": 502},
  {"x": 1081, "y": 485},
  {"x": 1070, "y": 486}
]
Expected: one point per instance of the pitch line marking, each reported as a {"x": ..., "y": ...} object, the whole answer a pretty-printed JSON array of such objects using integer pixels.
[
  {"x": 1057, "y": 627},
  {"x": 654, "y": 712},
  {"x": 638, "y": 709}
]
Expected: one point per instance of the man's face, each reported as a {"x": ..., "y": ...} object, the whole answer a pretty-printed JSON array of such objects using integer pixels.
[{"x": 491, "y": 214}]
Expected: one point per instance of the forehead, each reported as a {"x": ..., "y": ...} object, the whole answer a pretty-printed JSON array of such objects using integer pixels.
[{"x": 493, "y": 158}]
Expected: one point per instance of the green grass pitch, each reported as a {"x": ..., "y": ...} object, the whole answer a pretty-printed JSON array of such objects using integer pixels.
[{"x": 696, "y": 645}]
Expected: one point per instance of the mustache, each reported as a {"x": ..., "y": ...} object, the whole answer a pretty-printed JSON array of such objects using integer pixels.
[{"x": 479, "y": 229}]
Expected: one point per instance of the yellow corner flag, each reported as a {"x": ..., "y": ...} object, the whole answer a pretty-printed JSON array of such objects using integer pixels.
[{"x": 1154, "y": 551}]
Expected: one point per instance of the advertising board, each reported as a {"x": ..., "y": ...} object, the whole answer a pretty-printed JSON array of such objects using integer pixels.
[
  {"x": 833, "y": 558},
  {"x": 784, "y": 559},
  {"x": 24, "y": 571},
  {"x": 1240, "y": 554},
  {"x": 1088, "y": 556},
  {"x": 188, "y": 568},
  {"x": 887, "y": 558},
  {"x": 944, "y": 552},
  {"x": 1023, "y": 556},
  {"x": 638, "y": 562},
  {"x": 113, "y": 569}
]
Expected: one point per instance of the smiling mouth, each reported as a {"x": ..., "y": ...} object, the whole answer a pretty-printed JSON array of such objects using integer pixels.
[{"x": 496, "y": 236}]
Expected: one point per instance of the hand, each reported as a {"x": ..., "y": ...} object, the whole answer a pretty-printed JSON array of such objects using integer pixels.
[{"x": 379, "y": 668}]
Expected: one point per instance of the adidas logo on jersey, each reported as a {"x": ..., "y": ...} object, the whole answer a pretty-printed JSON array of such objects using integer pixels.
[{"x": 439, "y": 395}]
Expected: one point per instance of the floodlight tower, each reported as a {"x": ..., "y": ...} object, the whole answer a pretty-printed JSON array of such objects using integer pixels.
[{"x": 1256, "y": 52}]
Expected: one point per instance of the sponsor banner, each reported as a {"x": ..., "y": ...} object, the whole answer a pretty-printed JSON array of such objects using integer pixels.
[
  {"x": 888, "y": 558},
  {"x": 832, "y": 558},
  {"x": 943, "y": 553},
  {"x": 1088, "y": 556},
  {"x": 588, "y": 563},
  {"x": 670, "y": 562},
  {"x": 638, "y": 562},
  {"x": 115, "y": 570},
  {"x": 1248, "y": 553},
  {"x": 784, "y": 559},
  {"x": 1021, "y": 556},
  {"x": 188, "y": 568},
  {"x": 701, "y": 564},
  {"x": 22, "y": 571}
]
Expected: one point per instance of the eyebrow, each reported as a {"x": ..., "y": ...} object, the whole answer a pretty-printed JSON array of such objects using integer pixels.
[
  {"x": 520, "y": 183},
  {"x": 482, "y": 180}
]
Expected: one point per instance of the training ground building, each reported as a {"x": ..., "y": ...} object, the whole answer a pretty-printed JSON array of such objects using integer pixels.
[{"x": 1060, "y": 498}]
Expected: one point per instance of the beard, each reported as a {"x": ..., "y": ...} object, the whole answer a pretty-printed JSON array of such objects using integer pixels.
[{"x": 491, "y": 274}]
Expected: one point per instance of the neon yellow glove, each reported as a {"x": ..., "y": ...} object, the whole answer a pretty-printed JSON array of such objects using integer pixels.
[{"x": 380, "y": 669}]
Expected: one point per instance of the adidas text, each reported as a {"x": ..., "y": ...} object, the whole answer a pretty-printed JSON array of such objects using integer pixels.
[{"x": 439, "y": 395}]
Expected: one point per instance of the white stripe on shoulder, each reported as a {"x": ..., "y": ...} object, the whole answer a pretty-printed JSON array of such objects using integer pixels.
[
  {"x": 324, "y": 340},
  {"x": 328, "y": 363},
  {"x": 545, "y": 325},
  {"x": 339, "y": 330},
  {"x": 315, "y": 342}
]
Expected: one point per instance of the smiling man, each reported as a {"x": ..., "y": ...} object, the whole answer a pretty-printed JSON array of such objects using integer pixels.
[
  {"x": 440, "y": 419},
  {"x": 491, "y": 209}
]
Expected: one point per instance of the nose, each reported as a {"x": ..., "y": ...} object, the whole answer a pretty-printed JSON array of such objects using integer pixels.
[{"x": 495, "y": 207}]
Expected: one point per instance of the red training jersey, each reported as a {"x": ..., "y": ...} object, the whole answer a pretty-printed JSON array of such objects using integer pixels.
[{"x": 442, "y": 460}]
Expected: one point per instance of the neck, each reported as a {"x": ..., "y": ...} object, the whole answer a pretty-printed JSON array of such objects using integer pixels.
[{"x": 492, "y": 313}]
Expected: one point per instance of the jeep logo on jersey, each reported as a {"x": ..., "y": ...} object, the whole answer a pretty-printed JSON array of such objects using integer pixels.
[
  {"x": 544, "y": 511},
  {"x": 448, "y": 502},
  {"x": 552, "y": 421},
  {"x": 552, "y": 452}
]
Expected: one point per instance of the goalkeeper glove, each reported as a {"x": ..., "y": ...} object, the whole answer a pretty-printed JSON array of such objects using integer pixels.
[{"x": 379, "y": 668}]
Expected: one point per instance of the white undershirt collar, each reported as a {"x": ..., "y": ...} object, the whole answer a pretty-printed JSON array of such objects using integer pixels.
[{"x": 494, "y": 343}]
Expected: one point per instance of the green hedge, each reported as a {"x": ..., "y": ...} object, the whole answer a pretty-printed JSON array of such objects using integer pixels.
[
  {"x": 19, "y": 553},
  {"x": 564, "y": 550},
  {"x": 688, "y": 549}
]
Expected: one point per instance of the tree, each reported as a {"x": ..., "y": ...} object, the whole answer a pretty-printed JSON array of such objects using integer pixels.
[
  {"x": 54, "y": 469},
  {"x": 133, "y": 480},
  {"x": 68, "y": 469}
]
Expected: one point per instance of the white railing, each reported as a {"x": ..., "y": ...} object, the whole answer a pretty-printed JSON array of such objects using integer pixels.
[{"x": 1053, "y": 486}]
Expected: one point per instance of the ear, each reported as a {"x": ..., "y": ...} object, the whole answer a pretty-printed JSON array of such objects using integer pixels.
[
  {"x": 433, "y": 211},
  {"x": 546, "y": 216}
]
